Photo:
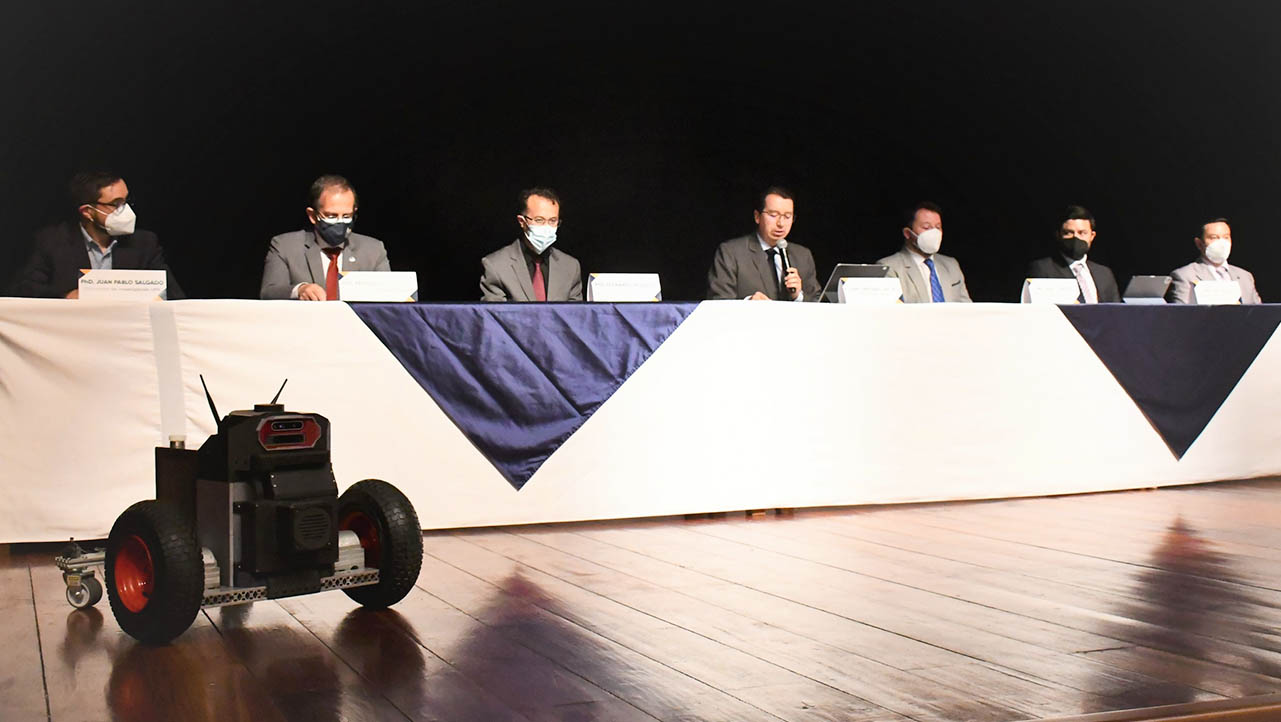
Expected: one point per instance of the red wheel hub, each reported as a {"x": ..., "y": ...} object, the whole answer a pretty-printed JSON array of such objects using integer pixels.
[
  {"x": 367, "y": 530},
  {"x": 135, "y": 575}
]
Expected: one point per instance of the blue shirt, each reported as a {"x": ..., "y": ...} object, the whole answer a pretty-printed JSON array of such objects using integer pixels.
[{"x": 98, "y": 258}]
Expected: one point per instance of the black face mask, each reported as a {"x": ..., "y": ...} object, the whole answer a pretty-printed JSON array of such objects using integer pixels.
[
  {"x": 333, "y": 234},
  {"x": 1073, "y": 247}
]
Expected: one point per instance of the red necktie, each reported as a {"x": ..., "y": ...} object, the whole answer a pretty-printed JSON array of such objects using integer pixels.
[
  {"x": 540, "y": 288},
  {"x": 331, "y": 276}
]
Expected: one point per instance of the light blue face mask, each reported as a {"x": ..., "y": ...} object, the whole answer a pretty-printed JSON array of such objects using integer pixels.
[{"x": 540, "y": 237}]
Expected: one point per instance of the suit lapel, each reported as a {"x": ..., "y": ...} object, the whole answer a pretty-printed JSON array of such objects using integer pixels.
[
  {"x": 311, "y": 253},
  {"x": 123, "y": 256},
  {"x": 763, "y": 267},
  {"x": 913, "y": 275},
  {"x": 556, "y": 290},
  {"x": 520, "y": 270}
]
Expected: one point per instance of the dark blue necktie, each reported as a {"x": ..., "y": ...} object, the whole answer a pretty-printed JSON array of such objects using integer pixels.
[{"x": 936, "y": 288}]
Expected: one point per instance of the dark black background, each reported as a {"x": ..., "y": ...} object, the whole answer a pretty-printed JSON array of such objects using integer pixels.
[{"x": 657, "y": 123}]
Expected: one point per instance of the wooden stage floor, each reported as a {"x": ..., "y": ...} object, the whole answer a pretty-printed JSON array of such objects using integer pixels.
[{"x": 1004, "y": 610}]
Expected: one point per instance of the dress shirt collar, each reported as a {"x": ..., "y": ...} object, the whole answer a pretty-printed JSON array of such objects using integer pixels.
[
  {"x": 92, "y": 245},
  {"x": 764, "y": 246}
]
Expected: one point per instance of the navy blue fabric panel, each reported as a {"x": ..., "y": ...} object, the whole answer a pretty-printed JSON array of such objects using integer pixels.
[
  {"x": 519, "y": 379},
  {"x": 1178, "y": 363}
]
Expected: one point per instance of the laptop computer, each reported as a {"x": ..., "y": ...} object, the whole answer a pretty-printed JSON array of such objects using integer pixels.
[
  {"x": 1146, "y": 289},
  {"x": 850, "y": 270}
]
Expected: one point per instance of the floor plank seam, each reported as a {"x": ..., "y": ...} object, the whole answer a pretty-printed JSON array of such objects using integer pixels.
[{"x": 44, "y": 676}]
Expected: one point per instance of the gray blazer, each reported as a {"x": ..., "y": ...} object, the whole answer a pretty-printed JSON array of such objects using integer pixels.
[
  {"x": 504, "y": 276},
  {"x": 1183, "y": 278},
  {"x": 740, "y": 268},
  {"x": 917, "y": 289},
  {"x": 294, "y": 258}
]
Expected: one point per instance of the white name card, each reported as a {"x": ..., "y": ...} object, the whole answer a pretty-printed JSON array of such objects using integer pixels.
[
  {"x": 869, "y": 291},
  {"x": 1213, "y": 293},
  {"x": 378, "y": 286},
  {"x": 623, "y": 287},
  {"x": 121, "y": 285},
  {"x": 1060, "y": 291}
]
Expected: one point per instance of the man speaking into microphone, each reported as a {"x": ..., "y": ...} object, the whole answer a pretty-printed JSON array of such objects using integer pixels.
[{"x": 764, "y": 266}]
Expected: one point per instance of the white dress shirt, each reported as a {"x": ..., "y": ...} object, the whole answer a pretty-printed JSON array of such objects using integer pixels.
[
  {"x": 1081, "y": 270},
  {"x": 778, "y": 268},
  {"x": 925, "y": 273}
]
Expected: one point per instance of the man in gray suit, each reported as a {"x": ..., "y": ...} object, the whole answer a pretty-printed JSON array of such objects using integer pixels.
[
  {"x": 1214, "y": 240},
  {"x": 529, "y": 269},
  {"x": 305, "y": 265},
  {"x": 926, "y": 275},
  {"x": 751, "y": 267}
]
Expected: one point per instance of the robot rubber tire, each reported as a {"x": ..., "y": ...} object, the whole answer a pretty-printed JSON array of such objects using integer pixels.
[
  {"x": 154, "y": 572},
  {"x": 387, "y": 525},
  {"x": 85, "y": 594}
]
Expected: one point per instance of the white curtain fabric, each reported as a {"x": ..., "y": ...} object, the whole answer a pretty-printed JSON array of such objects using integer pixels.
[{"x": 879, "y": 405}]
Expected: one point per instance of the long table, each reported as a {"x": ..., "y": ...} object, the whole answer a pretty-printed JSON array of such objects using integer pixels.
[{"x": 493, "y": 414}]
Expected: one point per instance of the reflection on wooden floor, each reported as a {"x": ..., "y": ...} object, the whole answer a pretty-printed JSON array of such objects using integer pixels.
[{"x": 1009, "y": 610}]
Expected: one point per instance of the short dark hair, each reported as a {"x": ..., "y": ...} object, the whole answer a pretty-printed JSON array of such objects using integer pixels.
[
  {"x": 779, "y": 191},
  {"x": 1200, "y": 231},
  {"x": 1076, "y": 213},
  {"x": 910, "y": 217},
  {"x": 324, "y": 183},
  {"x": 85, "y": 186},
  {"x": 547, "y": 193}
]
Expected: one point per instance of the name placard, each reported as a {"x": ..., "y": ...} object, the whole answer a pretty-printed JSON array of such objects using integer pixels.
[
  {"x": 869, "y": 291},
  {"x": 623, "y": 287},
  {"x": 1217, "y": 293},
  {"x": 121, "y": 285},
  {"x": 1059, "y": 291},
  {"x": 378, "y": 286}
]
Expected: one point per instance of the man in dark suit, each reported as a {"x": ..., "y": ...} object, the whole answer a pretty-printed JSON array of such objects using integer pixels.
[
  {"x": 305, "y": 265},
  {"x": 1075, "y": 239},
  {"x": 751, "y": 266},
  {"x": 530, "y": 269},
  {"x": 103, "y": 235}
]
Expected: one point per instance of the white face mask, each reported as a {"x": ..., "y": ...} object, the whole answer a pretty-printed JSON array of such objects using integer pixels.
[
  {"x": 929, "y": 241},
  {"x": 540, "y": 237},
  {"x": 1217, "y": 251},
  {"x": 119, "y": 222}
]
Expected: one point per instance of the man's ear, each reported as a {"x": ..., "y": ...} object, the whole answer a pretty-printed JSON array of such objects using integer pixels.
[
  {"x": 311, "y": 215},
  {"x": 86, "y": 212},
  {"x": 907, "y": 233}
]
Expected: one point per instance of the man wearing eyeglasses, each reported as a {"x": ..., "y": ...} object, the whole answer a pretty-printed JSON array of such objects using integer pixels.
[
  {"x": 751, "y": 267},
  {"x": 103, "y": 235},
  {"x": 305, "y": 265},
  {"x": 530, "y": 269}
]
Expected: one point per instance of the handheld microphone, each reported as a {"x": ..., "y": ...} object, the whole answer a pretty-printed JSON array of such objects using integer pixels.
[{"x": 782, "y": 253}]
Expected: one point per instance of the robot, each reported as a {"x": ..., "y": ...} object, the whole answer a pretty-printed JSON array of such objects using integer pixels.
[{"x": 253, "y": 514}]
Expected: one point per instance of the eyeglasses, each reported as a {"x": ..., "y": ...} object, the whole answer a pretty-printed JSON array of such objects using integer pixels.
[
  {"x": 336, "y": 217},
  {"x": 540, "y": 221},
  {"x": 114, "y": 205},
  {"x": 775, "y": 215}
]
